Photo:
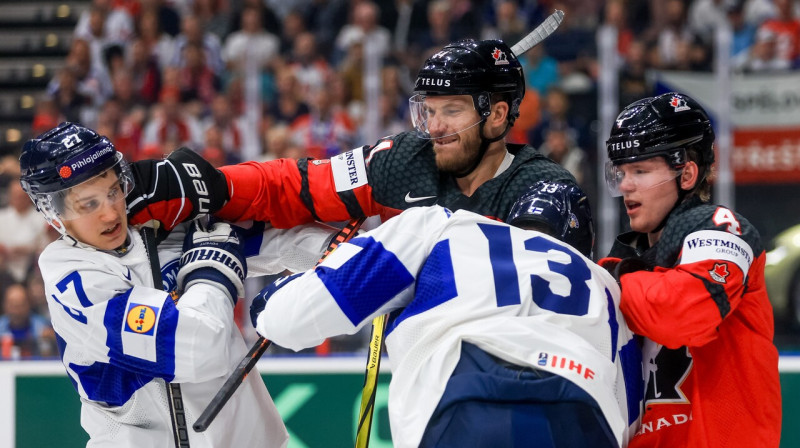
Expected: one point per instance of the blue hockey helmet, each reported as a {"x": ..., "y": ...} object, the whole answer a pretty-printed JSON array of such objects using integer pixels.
[
  {"x": 62, "y": 158},
  {"x": 559, "y": 209}
]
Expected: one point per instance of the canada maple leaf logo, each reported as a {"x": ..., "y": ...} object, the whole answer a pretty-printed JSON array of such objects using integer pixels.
[
  {"x": 720, "y": 272},
  {"x": 499, "y": 57},
  {"x": 678, "y": 104}
]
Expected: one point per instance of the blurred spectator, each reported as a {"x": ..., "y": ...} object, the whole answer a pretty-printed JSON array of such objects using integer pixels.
[
  {"x": 251, "y": 44},
  {"x": 145, "y": 74},
  {"x": 615, "y": 14},
  {"x": 363, "y": 28},
  {"x": 325, "y": 131},
  {"x": 391, "y": 122},
  {"x": 438, "y": 33},
  {"x": 289, "y": 101},
  {"x": 158, "y": 45},
  {"x": 22, "y": 236},
  {"x": 97, "y": 36},
  {"x": 171, "y": 124},
  {"x": 34, "y": 286},
  {"x": 529, "y": 117},
  {"x": 560, "y": 147},
  {"x": 107, "y": 19},
  {"x": 215, "y": 14},
  {"x": 763, "y": 55},
  {"x": 197, "y": 81},
  {"x": 785, "y": 28},
  {"x": 326, "y": 18},
  {"x": 351, "y": 71},
  {"x": 32, "y": 333},
  {"x": 89, "y": 80},
  {"x": 556, "y": 113},
  {"x": 278, "y": 144},
  {"x": 311, "y": 69},
  {"x": 46, "y": 116},
  {"x": 575, "y": 50},
  {"x": 228, "y": 126},
  {"x": 121, "y": 128},
  {"x": 632, "y": 77},
  {"x": 169, "y": 20},
  {"x": 465, "y": 21},
  {"x": 675, "y": 38},
  {"x": 706, "y": 15},
  {"x": 744, "y": 33},
  {"x": 541, "y": 70},
  {"x": 293, "y": 25},
  {"x": 510, "y": 26},
  {"x": 192, "y": 33}
]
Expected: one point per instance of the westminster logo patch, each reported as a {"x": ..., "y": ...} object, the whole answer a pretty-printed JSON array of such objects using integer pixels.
[
  {"x": 141, "y": 319},
  {"x": 720, "y": 273}
]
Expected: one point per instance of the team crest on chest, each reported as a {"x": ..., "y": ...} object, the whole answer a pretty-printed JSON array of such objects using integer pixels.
[{"x": 720, "y": 272}]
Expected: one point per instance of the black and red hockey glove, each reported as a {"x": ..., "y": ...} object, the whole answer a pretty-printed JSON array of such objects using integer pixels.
[{"x": 175, "y": 189}]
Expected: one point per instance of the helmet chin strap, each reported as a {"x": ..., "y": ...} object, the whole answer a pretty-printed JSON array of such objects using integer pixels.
[{"x": 485, "y": 142}]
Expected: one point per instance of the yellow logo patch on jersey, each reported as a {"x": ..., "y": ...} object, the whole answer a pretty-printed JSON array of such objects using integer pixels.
[{"x": 141, "y": 319}]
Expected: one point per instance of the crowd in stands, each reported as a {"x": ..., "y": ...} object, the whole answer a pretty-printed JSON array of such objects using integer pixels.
[{"x": 154, "y": 75}]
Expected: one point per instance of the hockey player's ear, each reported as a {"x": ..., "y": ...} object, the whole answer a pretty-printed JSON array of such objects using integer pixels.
[
  {"x": 499, "y": 113},
  {"x": 689, "y": 176}
]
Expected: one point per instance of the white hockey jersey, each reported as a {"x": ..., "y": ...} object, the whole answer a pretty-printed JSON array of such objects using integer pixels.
[
  {"x": 120, "y": 339},
  {"x": 445, "y": 277}
]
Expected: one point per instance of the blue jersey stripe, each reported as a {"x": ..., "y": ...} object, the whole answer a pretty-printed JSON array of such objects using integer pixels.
[
  {"x": 115, "y": 316},
  {"x": 436, "y": 284},
  {"x": 109, "y": 383},
  {"x": 630, "y": 356},
  {"x": 366, "y": 281},
  {"x": 612, "y": 322}
]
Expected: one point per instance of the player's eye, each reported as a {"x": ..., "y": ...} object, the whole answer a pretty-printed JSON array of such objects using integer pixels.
[{"x": 88, "y": 206}]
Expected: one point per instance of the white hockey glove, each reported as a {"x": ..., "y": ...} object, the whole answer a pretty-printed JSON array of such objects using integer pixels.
[{"x": 213, "y": 256}]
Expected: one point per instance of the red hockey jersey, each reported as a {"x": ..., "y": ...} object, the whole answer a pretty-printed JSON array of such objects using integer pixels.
[{"x": 711, "y": 368}]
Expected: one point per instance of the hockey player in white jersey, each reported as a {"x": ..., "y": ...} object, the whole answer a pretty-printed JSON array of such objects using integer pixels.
[
  {"x": 121, "y": 337},
  {"x": 498, "y": 336}
]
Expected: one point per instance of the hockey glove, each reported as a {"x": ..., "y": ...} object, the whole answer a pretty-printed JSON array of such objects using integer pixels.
[
  {"x": 260, "y": 301},
  {"x": 213, "y": 256},
  {"x": 175, "y": 189}
]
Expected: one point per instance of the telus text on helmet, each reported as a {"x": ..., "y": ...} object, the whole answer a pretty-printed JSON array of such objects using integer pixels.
[
  {"x": 623, "y": 145},
  {"x": 434, "y": 82}
]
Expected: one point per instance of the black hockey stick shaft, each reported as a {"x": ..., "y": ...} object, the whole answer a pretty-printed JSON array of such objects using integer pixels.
[
  {"x": 177, "y": 413},
  {"x": 249, "y": 361}
]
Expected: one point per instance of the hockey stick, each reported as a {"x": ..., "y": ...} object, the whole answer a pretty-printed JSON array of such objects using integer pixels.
[
  {"x": 367, "y": 408},
  {"x": 174, "y": 397},
  {"x": 249, "y": 361},
  {"x": 539, "y": 34}
]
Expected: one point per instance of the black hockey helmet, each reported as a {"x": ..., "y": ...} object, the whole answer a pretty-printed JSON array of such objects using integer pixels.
[
  {"x": 64, "y": 157},
  {"x": 665, "y": 126},
  {"x": 474, "y": 67},
  {"x": 563, "y": 211}
]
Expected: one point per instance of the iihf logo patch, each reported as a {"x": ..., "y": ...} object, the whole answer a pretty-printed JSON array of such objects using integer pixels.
[
  {"x": 499, "y": 57},
  {"x": 542, "y": 359},
  {"x": 141, "y": 319},
  {"x": 720, "y": 272},
  {"x": 678, "y": 103}
]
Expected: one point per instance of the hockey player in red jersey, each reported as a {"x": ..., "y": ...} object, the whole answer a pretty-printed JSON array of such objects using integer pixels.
[
  {"x": 692, "y": 278},
  {"x": 466, "y": 99}
]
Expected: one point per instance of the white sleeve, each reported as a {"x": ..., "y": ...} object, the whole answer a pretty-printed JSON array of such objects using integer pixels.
[
  {"x": 103, "y": 318},
  {"x": 371, "y": 275},
  {"x": 297, "y": 249}
]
